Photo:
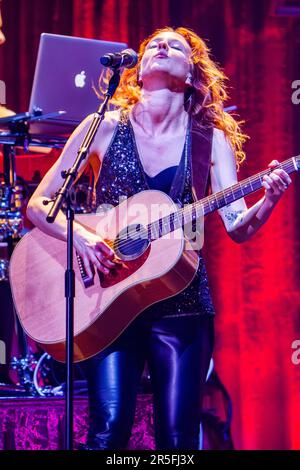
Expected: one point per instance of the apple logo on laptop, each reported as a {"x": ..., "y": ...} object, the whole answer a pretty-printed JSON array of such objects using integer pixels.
[{"x": 80, "y": 79}]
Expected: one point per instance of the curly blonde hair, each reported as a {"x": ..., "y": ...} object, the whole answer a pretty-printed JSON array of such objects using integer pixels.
[{"x": 205, "y": 100}]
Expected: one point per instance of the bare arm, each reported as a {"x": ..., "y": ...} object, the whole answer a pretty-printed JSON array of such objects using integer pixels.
[
  {"x": 240, "y": 222},
  {"x": 52, "y": 181},
  {"x": 92, "y": 250}
]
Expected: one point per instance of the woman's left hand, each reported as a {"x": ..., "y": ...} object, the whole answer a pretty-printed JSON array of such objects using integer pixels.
[{"x": 276, "y": 183}]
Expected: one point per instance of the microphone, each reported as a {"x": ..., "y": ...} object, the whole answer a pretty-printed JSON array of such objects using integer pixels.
[{"x": 127, "y": 58}]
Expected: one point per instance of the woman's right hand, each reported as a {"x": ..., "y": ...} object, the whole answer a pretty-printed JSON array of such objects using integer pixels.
[{"x": 94, "y": 252}]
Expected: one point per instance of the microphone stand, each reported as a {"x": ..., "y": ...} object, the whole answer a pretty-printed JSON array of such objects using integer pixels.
[
  {"x": 63, "y": 195},
  {"x": 18, "y": 135}
]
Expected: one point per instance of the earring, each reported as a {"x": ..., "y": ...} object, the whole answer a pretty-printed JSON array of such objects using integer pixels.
[
  {"x": 189, "y": 79},
  {"x": 138, "y": 79}
]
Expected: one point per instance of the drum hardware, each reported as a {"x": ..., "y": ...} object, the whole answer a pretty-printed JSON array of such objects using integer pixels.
[
  {"x": 14, "y": 193},
  {"x": 25, "y": 367},
  {"x": 39, "y": 378},
  {"x": 19, "y": 124},
  {"x": 48, "y": 378},
  {"x": 3, "y": 261},
  {"x": 4, "y": 269},
  {"x": 26, "y": 362},
  {"x": 43, "y": 376},
  {"x": 13, "y": 200},
  {"x": 37, "y": 375},
  {"x": 11, "y": 225},
  {"x": 81, "y": 197},
  {"x": 5, "y": 196}
]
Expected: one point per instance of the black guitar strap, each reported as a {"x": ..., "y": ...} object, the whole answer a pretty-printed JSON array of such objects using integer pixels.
[{"x": 197, "y": 154}]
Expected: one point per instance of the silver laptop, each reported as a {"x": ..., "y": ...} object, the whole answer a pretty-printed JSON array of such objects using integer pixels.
[{"x": 67, "y": 68}]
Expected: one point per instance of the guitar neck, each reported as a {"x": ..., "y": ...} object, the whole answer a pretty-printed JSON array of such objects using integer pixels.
[{"x": 215, "y": 201}]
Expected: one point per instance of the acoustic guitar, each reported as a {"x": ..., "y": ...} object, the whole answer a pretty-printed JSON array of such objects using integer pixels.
[{"x": 158, "y": 259}]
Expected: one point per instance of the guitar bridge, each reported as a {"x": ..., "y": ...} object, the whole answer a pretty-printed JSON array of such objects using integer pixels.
[{"x": 87, "y": 281}]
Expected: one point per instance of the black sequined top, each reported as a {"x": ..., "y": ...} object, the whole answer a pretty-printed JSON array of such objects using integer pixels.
[{"x": 122, "y": 174}]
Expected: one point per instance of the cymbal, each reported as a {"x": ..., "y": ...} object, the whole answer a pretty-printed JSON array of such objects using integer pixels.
[
  {"x": 16, "y": 130},
  {"x": 29, "y": 117},
  {"x": 9, "y": 138}
]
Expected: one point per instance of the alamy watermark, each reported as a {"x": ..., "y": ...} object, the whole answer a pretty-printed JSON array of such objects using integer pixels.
[
  {"x": 135, "y": 220},
  {"x": 296, "y": 354},
  {"x": 2, "y": 352},
  {"x": 296, "y": 93},
  {"x": 2, "y": 92}
]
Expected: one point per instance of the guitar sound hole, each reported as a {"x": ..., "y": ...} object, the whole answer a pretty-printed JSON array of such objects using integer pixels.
[{"x": 131, "y": 242}]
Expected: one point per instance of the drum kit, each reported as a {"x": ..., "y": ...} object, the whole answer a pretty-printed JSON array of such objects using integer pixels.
[{"x": 34, "y": 370}]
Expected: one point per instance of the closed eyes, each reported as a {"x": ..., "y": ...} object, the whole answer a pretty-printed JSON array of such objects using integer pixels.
[{"x": 176, "y": 46}]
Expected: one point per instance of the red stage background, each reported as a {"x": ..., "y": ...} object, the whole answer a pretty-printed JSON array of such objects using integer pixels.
[{"x": 256, "y": 286}]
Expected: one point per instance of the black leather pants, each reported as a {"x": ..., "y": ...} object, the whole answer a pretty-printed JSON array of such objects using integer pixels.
[{"x": 178, "y": 352}]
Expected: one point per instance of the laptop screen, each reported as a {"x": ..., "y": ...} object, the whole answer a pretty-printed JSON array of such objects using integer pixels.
[{"x": 67, "y": 68}]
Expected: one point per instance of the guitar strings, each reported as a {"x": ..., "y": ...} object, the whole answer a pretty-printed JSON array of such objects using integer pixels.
[{"x": 191, "y": 209}]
